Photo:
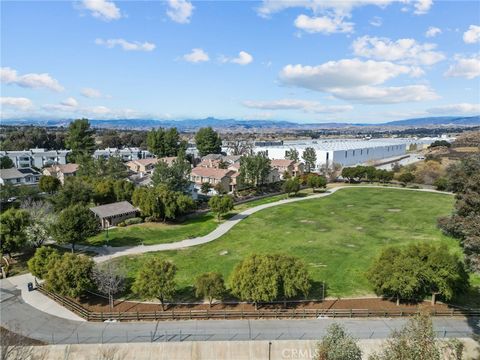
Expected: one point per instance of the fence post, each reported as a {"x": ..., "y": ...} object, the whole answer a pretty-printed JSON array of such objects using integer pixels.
[
  {"x": 137, "y": 316},
  {"x": 155, "y": 315}
]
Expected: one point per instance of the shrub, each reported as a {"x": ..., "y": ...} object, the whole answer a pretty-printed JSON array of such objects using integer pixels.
[
  {"x": 150, "y": 219},
  {"x": 121, "y": 224},
  {"x": 441, "y": 184},
  {"x": 42, "y": 261},
  {"x": 132, "y": 221}
]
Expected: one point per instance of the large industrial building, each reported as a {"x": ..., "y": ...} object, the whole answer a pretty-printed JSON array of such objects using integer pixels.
[{"x": 345, "y": 152}]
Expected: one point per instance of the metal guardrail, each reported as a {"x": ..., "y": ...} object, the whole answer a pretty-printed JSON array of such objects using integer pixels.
[{"x": 208, "y": 314}]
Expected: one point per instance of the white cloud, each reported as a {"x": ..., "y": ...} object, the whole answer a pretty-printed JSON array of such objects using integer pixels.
[
  {"x": 386, "y": 95},
  {"x": 91, "y": 93},
  {"x": 422, "y": 6},
  {"x": 70, "y": 102},
  {"x": 196, "y": 56},
  {"x": 126, "y": 45},
  {"x": 103, "y": 9},
  {"x": 307, "y": 106},
  {"x": 337, "y": 7},
  {"x": 354, "y": 79},
  {"x": 323, "y": 24},
  {"x": 243, "y": 58},
  {"x": 376, "y": 21},
  {"x": 462, "y": 108},
  {"x": 342, "y": 73},
  {"x": 180, "y": 11},
  {"x": 19, "y": 103},
  {"x": 472, "y": 35},
  {"x": 407, "y": 51},
  {"x": 468, "y": 68},
  {"x": 433, "y": 31},
  {"x": 32, "y": 80}
]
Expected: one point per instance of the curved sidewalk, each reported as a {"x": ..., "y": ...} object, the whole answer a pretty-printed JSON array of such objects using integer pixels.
[{"x": 108, "y": 253}]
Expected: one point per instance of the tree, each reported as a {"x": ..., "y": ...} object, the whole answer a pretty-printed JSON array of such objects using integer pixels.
[
  {"x": 75, "y": 224},
  {"x": 240, "y": 146},
  {"x": 42, "y": 218},
  {"x": 291, "y": 186},
  {"x": 416, "y": 340},
  {"x": 442, "y": 273},
  {"x": 80, "y": 138},
  {"x": 156, "y": 142},
  {"x": 6, "y": 162},
  {"x": 310, "y": 158},
  {"x": 210, "y": 286},
  {"x": 254, "y": 169},
  {"x": 43, "y": 261},
  {"x": 205, "y": 187},
  {"x": 338, "y": 345},
  {"x": 156, "y": 279},
  {"x": 438, "y": 143},
  {"x": 393, "y": 274},
  {"x": 109, "y": 280},
  {"x": 406, "y": 178},
  {"x": 70, "y": 275},
  {"x": 316, "y": 181},
  {"x": 220, "y": 205},
  {"x": 384, "y": 176},
  {"x": 208, "y": 141},
  {"x": 416, "y": 271},
  {"x": 146, "y": 199},
  {"x": 176, "y": 176},
  {"x": 123, "y": 190},
  {"x": 74, "y": 191},
  {"x": 292, "y": 154},
  {"x": 49, "y": 184},
  {"x": 292, "y": 276},
  {"x": 255, "y": 279},
  {"x": 13, "y": 223}
]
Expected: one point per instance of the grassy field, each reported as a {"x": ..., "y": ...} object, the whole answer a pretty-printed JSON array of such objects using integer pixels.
[
  {"x": 337, "y": 236},
  {"x": 162, "y": 233}
]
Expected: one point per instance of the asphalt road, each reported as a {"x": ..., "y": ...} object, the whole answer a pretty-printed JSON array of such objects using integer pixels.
[{"x": 22, "y": 318}]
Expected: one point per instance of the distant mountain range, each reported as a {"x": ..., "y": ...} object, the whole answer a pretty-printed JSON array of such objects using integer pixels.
[{"x": 232, "y": 124}]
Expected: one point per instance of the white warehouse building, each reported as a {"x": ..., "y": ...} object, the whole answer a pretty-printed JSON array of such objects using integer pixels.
[{"x": 344, "y": 151}]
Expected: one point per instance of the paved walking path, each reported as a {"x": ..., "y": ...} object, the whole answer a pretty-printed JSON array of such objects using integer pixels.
[
  {"x": 108, "y": 253},
  {"x": 11, "y": 285}
]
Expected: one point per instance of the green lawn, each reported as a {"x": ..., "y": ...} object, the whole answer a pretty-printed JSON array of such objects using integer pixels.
[
  {"x": 160, "y": 233},
  {"x": 336, "y": 236}
]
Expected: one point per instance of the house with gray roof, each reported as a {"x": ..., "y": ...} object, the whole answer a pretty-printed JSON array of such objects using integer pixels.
[
  {"x": 114, "y": 213},
  {"x": 22, "y": 176}
]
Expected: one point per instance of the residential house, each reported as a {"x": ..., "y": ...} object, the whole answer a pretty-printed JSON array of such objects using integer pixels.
[
  {"x": 126, "y": 154},
  {"x": 285, "y": 166},
  {"x": 38, "y": 158},
  {"x": 146, "y": 166},
  {"x": 22, "y": 176},
  {"x": 115, "y": 213},
  {"x": 216, "y": 177},
  {"x": 61, "y": 172}
]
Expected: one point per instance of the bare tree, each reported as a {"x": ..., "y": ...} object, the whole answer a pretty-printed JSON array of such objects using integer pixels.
[
  {"x": 331, "y": 172},
  {"x": 240, "y": 147},
  {"x": 109, "y": 280},
  {"x": 14, "y": 346}
]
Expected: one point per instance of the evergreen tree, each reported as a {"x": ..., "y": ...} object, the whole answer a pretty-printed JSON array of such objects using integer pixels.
[{"x": 208, "y": 141}]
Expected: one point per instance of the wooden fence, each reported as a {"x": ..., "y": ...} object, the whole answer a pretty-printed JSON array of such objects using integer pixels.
[{"x": 241, "y": 314}]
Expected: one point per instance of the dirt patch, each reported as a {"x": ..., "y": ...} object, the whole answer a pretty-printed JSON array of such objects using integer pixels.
[
  {"x": 394, "y": 210},
  {"x": 100, "y": 304},
  {"x": 307, "y": 221}
]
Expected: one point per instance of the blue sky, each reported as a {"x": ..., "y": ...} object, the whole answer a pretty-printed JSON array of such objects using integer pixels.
[{"x": 306, "y": 61}]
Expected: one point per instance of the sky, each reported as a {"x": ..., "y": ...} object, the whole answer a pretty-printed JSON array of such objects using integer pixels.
[{"x": 308, "y": 61}]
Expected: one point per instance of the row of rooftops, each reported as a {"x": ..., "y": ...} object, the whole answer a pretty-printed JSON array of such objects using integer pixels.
[{"x": 347, "y": 144}]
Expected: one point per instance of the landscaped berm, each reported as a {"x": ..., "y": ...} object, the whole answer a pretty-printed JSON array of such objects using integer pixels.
[{"x": 337, "y": 237}]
